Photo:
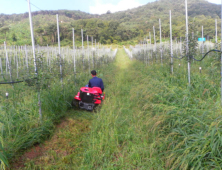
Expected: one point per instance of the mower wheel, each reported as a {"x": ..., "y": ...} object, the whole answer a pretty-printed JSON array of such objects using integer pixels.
[{"x": 75, "y": 103}]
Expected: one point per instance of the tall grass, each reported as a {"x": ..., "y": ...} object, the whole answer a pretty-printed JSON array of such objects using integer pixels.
[
  {"x": 155, "y": 120},
  {"x": 151, "y": 119},
  {"x": 20, "y": 124},
  {"x": 70, "y": 139}
]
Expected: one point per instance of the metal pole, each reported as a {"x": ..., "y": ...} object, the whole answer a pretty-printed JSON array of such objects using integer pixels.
[
  {"x": 32, "y": 37},
  {"x": 88, "y": 51},
  {"x": 221, "y": 50},
  {"x": 82, "y": 37},
  {"x": 33, "y": 50},
  {"x": 92, "y": 52},
  {"x": 27, "y": 62},
  {"x": 95, "y": 43},
  {"x": 74, "y": 51},
  {"x": 95, "y": 53},
  {"x": 17, "y": 64},
  {"x": 7, "y": 62},
  {"x": 150, "y": 44},
  {"x": 171, "y": 46},
  {"x": 216, "y": 32},
  {"x": 187, "y": 45},
  {"x": 160, "y": 31},
  {"x": 161, "y": 51},
  {"x": 202, "y": 41},
  {"x": 57, "y": 17},
  {"x": 180, "y": 46},
  {"x": 150, "y": 38},
  {"x": 154, "y": 36},
  {"x": 82, "y": 49},
  {"x": 1, "y": 65}
]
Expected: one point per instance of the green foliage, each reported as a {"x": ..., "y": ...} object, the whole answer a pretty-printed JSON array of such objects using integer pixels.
[
  {"x": 14, "y": 38},
  {"x": 3, "y": 160},
  {"x": 4, "y": 30},
  {"x": 127, "y": 25},
  {"x": 141, "y": 33},
  {"x": 192, "y": 42}
]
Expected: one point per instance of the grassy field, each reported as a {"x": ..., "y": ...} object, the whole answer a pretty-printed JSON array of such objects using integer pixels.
[
  {"x": 150, "y": 119},
  {"x": 22, "y": 125}
]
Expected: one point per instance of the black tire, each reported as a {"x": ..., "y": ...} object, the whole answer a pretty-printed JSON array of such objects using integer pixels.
[
  {"x": 75, "y": 103},
  {"x": 97, "y": 108}
]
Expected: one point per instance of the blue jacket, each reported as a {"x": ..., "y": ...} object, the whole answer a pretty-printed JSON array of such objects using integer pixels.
[{"x": 96, "y": 82}]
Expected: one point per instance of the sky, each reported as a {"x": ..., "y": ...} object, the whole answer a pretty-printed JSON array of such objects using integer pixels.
[{"x": 89, "y": 6}]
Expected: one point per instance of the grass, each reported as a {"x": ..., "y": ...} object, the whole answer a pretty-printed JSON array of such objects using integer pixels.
[
  {"x": 20, "y": 124},
  {"x": 155, "y": 120},
  {"x": 21, "y": 127},
  {"x": 151, "y": 119},
  {"x": 64, "y": 149}
]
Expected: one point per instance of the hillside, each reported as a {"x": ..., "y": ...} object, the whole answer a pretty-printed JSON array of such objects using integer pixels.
[
  {"x": 147, "y": 16},
  {"x": 70, "y": 14},
  {"x": 130, "y": 25}
]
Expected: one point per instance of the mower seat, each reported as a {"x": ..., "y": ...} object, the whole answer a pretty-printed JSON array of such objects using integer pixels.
[{"x": 98, "y": 89}]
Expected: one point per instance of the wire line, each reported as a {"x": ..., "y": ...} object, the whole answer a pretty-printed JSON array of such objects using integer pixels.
[{"x": 35, "y": 6}]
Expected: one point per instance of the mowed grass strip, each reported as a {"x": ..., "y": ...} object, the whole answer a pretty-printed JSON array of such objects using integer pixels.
[
  {"x": 64, "y": 150},
  {"x": 151, "y": 119},
  {"x": 120, "y": 133},
  {"x": 154, "y": 120}
]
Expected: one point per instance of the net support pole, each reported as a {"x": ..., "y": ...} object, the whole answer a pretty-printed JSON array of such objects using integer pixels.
[
  {"x": 202, "y": 41},
  {"x": 8, "y": 62},
  {"x": 82, "y": 49},
  {"x": 34, "y": 57},
  {"x": 171, "y": 46},
  {"x": 154, "y": 37},
  {"x": 32, "y": 37},
  {"x": 187, "y": 43},
  {"x": 88, "y": 51},
  {"x": 60, "y": 59},
  {"x": 82, "y": 38},
  {"x": 216, "y": 33},
  {"x": 161, "y": 51},
  {"x": 74, "y": 51},
  {"x": 221, "y": 53}
]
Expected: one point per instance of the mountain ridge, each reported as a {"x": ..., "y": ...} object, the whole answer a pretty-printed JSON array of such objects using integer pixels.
[{"x": 130, "y": 25}]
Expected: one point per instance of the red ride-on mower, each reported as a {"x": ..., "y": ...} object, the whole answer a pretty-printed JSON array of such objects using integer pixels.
[{"x": 87, "y": 98}]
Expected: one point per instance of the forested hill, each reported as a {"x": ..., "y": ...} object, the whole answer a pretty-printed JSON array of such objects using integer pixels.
[
  {"x": 130, "y": 25},
  {"x": 147, "y": 16},
  {"x": 75, "y": 14}
]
